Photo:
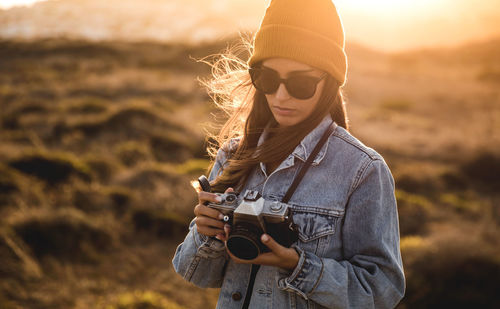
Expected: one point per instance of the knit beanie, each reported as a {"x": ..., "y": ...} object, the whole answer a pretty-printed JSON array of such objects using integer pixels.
[{"x": 308, "y": 31}]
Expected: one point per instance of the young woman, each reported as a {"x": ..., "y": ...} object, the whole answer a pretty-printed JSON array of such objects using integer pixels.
[{"x": 286, "y": 103}]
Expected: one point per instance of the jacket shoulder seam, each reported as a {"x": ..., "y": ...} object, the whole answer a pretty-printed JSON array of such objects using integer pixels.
[
  {"x": 361, "y": 172},
  {"x": 338, "y": 134}
]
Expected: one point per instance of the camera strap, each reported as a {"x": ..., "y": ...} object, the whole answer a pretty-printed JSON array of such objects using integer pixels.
[{"x": 308, "y": 163}]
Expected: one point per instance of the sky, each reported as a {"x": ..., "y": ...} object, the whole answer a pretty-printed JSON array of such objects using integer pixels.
[
  {"x": 369, "y": 5},
  {"x": 404, "y": 24},
  {"x": 389, "y": 25},
  {"x": 6, "y": 4}
]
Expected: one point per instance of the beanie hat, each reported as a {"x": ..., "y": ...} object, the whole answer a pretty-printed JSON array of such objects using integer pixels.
[{"x": 308, "y": 31}]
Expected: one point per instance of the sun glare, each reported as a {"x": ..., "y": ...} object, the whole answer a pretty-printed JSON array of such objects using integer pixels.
[
  {"x": 6, "y": 4},
  {"x": 386, "y": 6}
]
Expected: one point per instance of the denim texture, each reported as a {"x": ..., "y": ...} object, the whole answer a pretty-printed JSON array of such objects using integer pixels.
[{"x": 346, "y": 212}]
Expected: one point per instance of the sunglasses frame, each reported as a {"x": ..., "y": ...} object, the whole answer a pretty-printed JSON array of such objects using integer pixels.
[{"x": 285, "y": 81}]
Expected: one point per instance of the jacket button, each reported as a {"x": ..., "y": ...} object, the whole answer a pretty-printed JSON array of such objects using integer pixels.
[{"x": 236, "y": 296}]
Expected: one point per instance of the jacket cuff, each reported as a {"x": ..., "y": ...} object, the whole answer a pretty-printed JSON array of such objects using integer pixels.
[
  {"x": 207, "y": 247},
  {"x": 306, "y": 275}
]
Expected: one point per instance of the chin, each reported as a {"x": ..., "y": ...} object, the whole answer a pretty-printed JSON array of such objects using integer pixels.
[{"x": 286, "y": 122}]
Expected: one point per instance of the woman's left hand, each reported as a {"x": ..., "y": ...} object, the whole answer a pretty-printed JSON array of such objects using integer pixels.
[{"x": 279, "y": 256}]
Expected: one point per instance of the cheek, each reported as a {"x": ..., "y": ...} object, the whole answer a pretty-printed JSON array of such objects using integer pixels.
[
  {"x": 308, "y": 106},
  {"x": 269, "y": 99}
]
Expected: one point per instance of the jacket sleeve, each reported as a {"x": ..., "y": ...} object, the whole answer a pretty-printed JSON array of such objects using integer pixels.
[
  {"x": 371, "y": 273},
  {"x": 201, "y": 259}
]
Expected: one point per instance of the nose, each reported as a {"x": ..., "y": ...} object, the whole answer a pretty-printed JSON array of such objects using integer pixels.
[{"x": 282, "y": 93}]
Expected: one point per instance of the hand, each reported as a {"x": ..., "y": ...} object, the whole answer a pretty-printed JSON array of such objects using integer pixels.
[
  {"x": 286, "y": 258},
  {"x": 208, "y": 220}
]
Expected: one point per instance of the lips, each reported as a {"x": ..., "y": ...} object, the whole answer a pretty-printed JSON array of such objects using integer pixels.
[{"x": 283, "y": 111}]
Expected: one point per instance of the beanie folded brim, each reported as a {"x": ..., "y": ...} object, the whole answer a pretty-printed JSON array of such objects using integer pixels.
[{"x": 285, "y": 41}]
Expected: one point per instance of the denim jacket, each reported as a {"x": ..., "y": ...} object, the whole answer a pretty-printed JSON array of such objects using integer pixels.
[{"x": 346, "y": 213}]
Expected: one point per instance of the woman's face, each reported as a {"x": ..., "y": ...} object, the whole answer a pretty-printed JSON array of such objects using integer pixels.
[{"x": 286, "y": 109}]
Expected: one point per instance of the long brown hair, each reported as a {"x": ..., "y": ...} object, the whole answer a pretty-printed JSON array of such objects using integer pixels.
[{"x": 249, "y": 114}]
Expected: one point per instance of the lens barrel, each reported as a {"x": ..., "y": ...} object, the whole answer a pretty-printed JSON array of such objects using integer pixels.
[{"x": 244, "y": 241}]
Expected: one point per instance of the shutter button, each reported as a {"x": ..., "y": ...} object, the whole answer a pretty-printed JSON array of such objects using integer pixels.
[{"x": 236, "y": 296}]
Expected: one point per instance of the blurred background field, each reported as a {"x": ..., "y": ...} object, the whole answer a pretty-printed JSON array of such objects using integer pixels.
[{"x": 99, "y": 140}]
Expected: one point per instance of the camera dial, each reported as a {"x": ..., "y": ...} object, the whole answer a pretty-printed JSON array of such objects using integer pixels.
[
  {"x": 230, "y": 198},
  {"x": 276, "y": 207}
]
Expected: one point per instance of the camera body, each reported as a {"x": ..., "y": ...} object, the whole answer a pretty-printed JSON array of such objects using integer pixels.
[{"x": 250, "y": 216}]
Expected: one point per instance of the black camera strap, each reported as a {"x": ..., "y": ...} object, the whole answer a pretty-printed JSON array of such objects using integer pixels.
[{"x": 286, "y": 198}]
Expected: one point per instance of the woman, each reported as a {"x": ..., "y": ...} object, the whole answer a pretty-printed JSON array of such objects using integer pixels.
[{"x": 347, "y": 253}]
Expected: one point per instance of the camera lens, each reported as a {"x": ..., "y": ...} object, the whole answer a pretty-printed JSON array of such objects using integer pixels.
[{"x": 244, "y": 241}]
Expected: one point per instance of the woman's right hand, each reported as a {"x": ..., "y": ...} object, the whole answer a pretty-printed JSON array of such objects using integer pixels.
[{"x": 208, "y": 220}]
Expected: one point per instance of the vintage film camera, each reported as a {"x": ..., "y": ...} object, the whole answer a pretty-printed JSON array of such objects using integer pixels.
[{"x": 250, "y": 216}]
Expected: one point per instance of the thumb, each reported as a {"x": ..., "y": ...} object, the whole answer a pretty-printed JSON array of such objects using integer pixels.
[
  {"x": 272, "y": 244},
  {"x": 229, "y": 190}
]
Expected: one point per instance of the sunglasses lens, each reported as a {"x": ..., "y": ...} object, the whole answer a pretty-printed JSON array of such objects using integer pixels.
[
  {"x": 301, "y": 87},
  {"x": 264, "y": 80}
]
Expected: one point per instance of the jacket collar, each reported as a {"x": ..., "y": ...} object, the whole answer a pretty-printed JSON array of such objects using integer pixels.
[{"x": 306, "y": 146}]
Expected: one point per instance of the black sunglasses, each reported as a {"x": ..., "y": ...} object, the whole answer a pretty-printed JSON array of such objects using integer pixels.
[{"x": 268, "y": 81}]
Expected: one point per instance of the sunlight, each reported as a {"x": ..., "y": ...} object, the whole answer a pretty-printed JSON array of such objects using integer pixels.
[
  {"x": 6, "y": 4},
  {"x": 387, "y": 7}
]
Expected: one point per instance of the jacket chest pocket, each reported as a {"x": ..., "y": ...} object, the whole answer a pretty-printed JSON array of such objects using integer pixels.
[{"x": 316, "y": 226}]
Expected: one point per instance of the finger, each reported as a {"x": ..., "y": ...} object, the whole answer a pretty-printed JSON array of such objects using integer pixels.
[
  {"x": 224, "y": 236},
  {"x": 202, "y": 210},
  {"x": 204, "y": 196},
  {"x": 268, "y": 258},
  {"x": 208, "y": 231},
  {"x": 209, "y": 222},
  {"x": 229, "y": 190},
  {"x": 273, "y": 245},
  {"x": 279, "y": 256},
  {"x": 221, "y": 237}
]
